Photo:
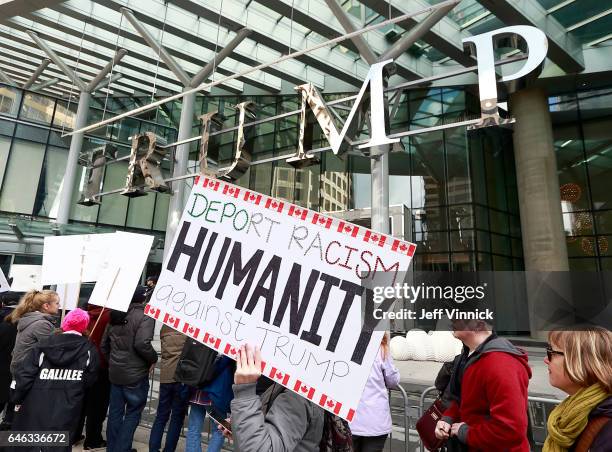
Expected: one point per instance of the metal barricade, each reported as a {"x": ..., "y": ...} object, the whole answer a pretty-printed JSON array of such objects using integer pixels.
[
  {"x": 422, "y": 409},
  {"x": 406, "y": 417},
  {"x": 538, "y": 409}
]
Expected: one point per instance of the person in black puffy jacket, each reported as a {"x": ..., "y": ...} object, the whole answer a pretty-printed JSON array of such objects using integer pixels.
[
  {"x": 126, "y": 344},
  {"x": 51, "y": 381}
]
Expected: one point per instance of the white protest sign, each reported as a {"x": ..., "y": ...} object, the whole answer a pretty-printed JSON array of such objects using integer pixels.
[
  {"x": 246, "y": 268},
  {"x": 4, "y": 285},
  {"x": 68, "y": 295},
  {"x": 121, "y": 270},
  {"x": 74, "y": 258},
  {"x": 26, "y": 277}
]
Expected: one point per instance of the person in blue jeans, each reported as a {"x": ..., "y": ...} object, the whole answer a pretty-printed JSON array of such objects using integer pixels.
[
  {"x": 217, "y": 393},
  {"x": 126, "y": 345},
  {"x": 124, "y": 411},
  {"x": 173, "y": 396}
]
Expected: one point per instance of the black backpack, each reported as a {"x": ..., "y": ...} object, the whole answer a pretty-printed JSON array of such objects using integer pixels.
[
  {"x": 196, "y": 365},
  {"x": 336, "y": 436}
]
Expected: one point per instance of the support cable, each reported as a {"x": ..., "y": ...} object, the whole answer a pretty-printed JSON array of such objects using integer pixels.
[
  {"x": 161, "y": 43},
  {"x": 76, "y": 75},
  {"x": 259, "y": 67},
  {"x": 113, "y": 65},
  {"x": 217, "y": 42}
]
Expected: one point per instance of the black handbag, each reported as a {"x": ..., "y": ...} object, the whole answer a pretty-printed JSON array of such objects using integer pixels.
[{"x": 196, "y": 365}]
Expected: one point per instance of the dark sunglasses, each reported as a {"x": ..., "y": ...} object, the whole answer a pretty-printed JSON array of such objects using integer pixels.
[{"x": 550, "y": 352}]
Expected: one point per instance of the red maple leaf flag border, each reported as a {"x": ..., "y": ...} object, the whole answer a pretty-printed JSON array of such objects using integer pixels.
[{"x": 347, "y": 228}]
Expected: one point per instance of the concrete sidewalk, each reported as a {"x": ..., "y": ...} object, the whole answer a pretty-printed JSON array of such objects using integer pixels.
[{"x": 141, "y": 442}]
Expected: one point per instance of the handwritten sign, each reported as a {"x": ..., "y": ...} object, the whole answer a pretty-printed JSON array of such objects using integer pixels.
[
  {"x": 246, "y": 268},
  {"x": 4, "y": 285},
  {"x": 121, "y": 270}
]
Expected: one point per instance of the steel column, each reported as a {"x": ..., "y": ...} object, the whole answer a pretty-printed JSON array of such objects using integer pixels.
[
  {"x": 199, "y": 78},
  {"x": 181, "y": 160},
  {"x": 379, "y": 160},
  {"x": 379, "y": 166},
  {"x": 108, "y": 82},
  {"x": 158, "y": 48},
  {"x": 181, "y": 155},
  {"x": 349, "y": 27},
  {"x": 45, "y": 84},
  {"x": 417, "y": 32},
  {"x": 97, "y": 80},
  {"x": 39, "y": 70},
  {"x": 4, "y": 78},
  {"x": 58, "y": 61},
  {"x": 63, "y": 214}
]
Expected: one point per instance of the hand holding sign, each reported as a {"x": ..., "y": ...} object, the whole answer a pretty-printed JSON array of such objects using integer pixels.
[{"x": 248, "y": 365}]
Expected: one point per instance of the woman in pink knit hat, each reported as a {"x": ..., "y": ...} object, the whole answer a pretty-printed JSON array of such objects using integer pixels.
[{"x": 51, "y": 383}]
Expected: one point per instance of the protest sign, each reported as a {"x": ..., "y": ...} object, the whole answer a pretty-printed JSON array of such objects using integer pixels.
[
  {"x": 4, "y": 285},
  {"x": 26, "y": 277},
  {"x": 121, "y": 270},
  {"x": 74, "y": 258},
  {"x": 246, "y": 268},
  {"x": 68, "y": 295}
]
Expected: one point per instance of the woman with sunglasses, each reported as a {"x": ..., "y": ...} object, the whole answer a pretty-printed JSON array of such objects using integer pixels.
[{"x": 580, "y": 364}]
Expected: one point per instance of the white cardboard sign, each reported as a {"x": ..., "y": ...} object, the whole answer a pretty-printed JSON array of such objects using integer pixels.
[
  {"x": 121, "y": 270},
  {"x": 68, "y": 295},
  {"x": 26, "y": 277},
  {"x": 246, "y": 268},
  {"x": 74, "y": 258},
  {"x": 4, "y": 285}
]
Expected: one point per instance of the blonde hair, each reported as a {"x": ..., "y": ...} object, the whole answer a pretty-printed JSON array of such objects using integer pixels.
[
  {"x": 30, "y": 302},
  {"x": 384, "y": 346},
  {"x": 588, "y": 355}
]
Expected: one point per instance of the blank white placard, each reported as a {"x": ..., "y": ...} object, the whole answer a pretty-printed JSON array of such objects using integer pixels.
[
  {"x": 74, "y": 258},
  {"x": 121, "y": 271}
]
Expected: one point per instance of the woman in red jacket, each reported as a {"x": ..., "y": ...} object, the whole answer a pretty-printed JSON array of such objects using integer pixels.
[{"x": 489, "y": 392}]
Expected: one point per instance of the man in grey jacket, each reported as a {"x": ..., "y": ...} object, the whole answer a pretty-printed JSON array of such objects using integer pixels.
[
  {"x": 291, "y": 423},
  {"x": 126, "y": 344}
]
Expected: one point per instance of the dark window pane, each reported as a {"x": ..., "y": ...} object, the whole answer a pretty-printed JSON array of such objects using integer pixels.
[
  {"x": 459, "y": 184},
  {"x": 52, "y": 175},
  {"x": 462, "y": 240}
]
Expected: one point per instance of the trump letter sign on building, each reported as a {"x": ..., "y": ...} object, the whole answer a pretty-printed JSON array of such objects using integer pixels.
[{"x": 246, "y": 268}]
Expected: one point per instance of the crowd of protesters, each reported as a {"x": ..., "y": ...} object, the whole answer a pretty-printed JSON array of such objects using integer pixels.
[{"x": 95, "y": 365}]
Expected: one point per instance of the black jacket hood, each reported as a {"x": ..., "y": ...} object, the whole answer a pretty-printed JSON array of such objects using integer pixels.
[{"x": 64, "y": 349}]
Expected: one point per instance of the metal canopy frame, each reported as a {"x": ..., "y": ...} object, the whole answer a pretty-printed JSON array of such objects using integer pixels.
[
  {"x": 281, "y": 59},
  {"x": 181, "y": 155},
  {"x": 29, "y": 83},
  {"x": 65, "y": 194},
  {"x": 564, "y": 48}
]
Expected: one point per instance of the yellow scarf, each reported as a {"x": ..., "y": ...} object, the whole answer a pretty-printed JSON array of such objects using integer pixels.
[{"x": 567, "y": 421}]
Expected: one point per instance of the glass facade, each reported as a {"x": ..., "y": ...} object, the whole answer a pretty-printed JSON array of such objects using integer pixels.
[
  {"x": 582, "y": 126},
  {"x": 33, "y": 159},
  {"x": 459, "y": 185}
]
